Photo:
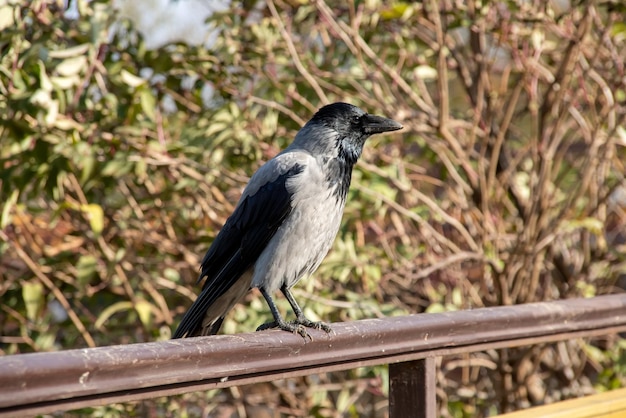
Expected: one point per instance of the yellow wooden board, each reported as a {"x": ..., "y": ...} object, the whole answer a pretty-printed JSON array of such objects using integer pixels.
[{"x": 603, "y": 405}]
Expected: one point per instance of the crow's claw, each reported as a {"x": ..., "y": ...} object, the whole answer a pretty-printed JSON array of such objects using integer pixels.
[{"x": 293, "y": 327}]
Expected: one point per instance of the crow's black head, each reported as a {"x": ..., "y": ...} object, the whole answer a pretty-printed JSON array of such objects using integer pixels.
[
  {"x": 340, "y": 130},
  {"x": 335, "y": 136}
]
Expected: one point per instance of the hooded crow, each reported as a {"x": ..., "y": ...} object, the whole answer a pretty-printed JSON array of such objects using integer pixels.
[{"x": 285, "y": 222}]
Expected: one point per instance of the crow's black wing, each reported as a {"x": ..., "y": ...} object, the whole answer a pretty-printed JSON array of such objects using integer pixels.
[{"x": 238, "y": 245}]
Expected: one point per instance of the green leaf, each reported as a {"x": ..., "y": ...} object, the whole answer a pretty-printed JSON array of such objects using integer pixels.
[
  {"x": 32, "y": 293},
  {"x": 148, "y": 103},
  {"x": 115, "y": 168},
  {"x": 592, "y": 225},
  {"x": 6, "y": 218},
  {"x": 86, "y": 268},
  {"x": 44, "y": 81},
  {"x": 171, "y": 274},
  {"x": 618, "y": 29},
  {"x": 87, "y": 164},
  {"x": 18, "y": 82}
]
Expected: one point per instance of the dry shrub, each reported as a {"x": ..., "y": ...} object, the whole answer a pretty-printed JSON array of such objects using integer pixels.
[{"x": 506, "y": 186}]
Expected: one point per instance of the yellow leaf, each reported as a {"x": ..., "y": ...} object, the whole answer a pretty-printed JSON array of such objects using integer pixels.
[
  {"x": 113, "y": 309},
  {"x": 95, "y": 215},
  {"x": 6, "y": 218},
  {"x": 7, "y": 19},
  {"x": 67, "y": 124},
  {"x": 131, "y": 79},
  {"x": 396, "y": 11},
  {"x": 144, "y": 310},
  {"x": 69, "y": 52},
  {"x": 425, "y": 72},
  {"x": 72, "y": 66},
  {"x": 65, "y": 83}
]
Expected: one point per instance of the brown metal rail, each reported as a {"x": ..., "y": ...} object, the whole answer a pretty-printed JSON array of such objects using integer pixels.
[{"x": 46, "y": 382}]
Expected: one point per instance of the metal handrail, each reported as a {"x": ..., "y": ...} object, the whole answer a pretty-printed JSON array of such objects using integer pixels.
[{"x": 45, "y": 382}]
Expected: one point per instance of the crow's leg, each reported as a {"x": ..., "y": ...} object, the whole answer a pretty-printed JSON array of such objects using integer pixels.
[
  {"x": 279, "y": 322},
  {"x": 300, "y": 318}
]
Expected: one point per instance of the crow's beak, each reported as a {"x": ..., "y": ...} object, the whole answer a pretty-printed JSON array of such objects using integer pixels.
[{"x": 373, "y": 124}]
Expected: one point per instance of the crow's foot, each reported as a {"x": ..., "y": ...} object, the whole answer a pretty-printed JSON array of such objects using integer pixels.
[
  {"x": 297, "y": 326},
  {"x": 304, "y": 321},
  {"x": 287, "y": 326}
]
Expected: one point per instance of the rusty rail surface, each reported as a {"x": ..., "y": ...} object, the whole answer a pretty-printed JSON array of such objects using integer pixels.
[{"x": 46, "y": 382}]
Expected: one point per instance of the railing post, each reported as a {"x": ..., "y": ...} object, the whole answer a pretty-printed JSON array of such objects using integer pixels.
[{"x": 412, "y": 389}]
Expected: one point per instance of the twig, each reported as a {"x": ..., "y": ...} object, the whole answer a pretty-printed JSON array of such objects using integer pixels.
[
  {"x": 276, "y": 106},
  {"x": 34, "y": 267},
  {"x": 294, "y": 54}
]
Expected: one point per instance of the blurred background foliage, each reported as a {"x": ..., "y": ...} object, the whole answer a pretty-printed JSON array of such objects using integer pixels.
[{"x": 119, "y": 164}]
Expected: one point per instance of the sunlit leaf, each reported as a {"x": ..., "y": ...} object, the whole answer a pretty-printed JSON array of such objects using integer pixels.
[
  {"x": 396, "y": 11},
  {"x": 33, "y": 296},
  {"x": 593, "y": 225},
  {"x": 95, "y": 215},
  {"x": 44, "y": 80},
  {"x": 426, "y": 72},
  {"x": 112, "y": 310},
  {"x": 65, "y": 83},
  {"x": 7, "y": 208},
  {"x": 144, "y": 310},
  {"x": 72, "y": 66},
  {"x": 41, "y": 98},
  {"x": 6, "y": 16},
  {"x": 171, "y": 274},
  {"x": 73, "y": 51},
  {"x": 66, "y": 124},
  {"x": 131, "y": 79},
  {"x": 436, "y": 308}
]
